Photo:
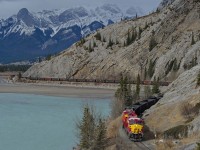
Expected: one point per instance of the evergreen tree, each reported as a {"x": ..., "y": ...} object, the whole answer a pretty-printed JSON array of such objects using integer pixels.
[
  {"x": 94, "y": 44},
  {"x": 152, "y": 43},
  {"x": 145, "y": 73},
  {"x": 198, "y": 79},
  {"x": 198, "y": 146},
  {"x": 133, "y": 36},
  {"x": 147, "y": 91},
  {"x": 86, "y": 129},
  {"x": 170, "y": 66},
  {"x": 48, "y": 57},
  {"x": 175, "y": 66},
  {"x": 110, "y": 43},
  {"x": 116, "y": 41},
  {"x": 146, "y": 25},
  {"x": 139, "y": 32},
  {"x": 125, "y": 89},
  {"x": 118, "y": 102},
  {"x": 193, "y": 41},
  {"x": 100, "y": 139},
  {"x": 124, "y": 97},
  {"x": 82, "y": 41},
  {"x": 104, "y": 39},
  {"x": 128, "y": 96},
  {"x": 124, "y": 43},
  {"x": 98, "y": 36},
  {"x": 155, "y": 89},
  {"x": 194, "y": 62},
  {"x": 90, "y": 49},
  {"x": 128, "y": 40},
  {"x": 151, "y": 69},
  {"x": 92, "y": 130},
  {"x": 129, "y": 90},
  {"x": 138, "y": 86}
]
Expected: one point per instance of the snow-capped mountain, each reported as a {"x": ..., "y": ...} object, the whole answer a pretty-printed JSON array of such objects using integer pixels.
[{"x": 28, "y": 35}]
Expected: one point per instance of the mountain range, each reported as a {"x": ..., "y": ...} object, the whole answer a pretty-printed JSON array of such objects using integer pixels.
[{"x": 29, "y": 35}]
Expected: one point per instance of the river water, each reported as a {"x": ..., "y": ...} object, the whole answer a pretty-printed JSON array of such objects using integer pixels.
[{"x": 34, "y": 122}]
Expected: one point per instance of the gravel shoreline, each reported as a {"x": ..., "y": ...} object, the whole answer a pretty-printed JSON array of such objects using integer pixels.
[{"x": 63, "y": 90}]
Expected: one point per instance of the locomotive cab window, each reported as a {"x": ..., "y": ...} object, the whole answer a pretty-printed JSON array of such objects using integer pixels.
[{"x": 135, "y": 121}]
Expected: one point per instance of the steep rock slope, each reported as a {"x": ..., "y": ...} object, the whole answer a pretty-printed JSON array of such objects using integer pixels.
[
  {"x": 175, "y": 31},
  {"x": 176, "y": 115}
]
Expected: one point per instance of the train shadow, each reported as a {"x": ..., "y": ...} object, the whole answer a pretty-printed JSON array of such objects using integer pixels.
[{"x": 148, "y": 135}]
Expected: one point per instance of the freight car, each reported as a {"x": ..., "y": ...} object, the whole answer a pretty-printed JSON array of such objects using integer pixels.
[{"x": 145, "y": 82}]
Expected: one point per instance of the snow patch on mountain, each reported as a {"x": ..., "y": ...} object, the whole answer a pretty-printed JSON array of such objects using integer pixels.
[
  {"x": 28, "y": 35},
  {"x": 25, "y": 21}
]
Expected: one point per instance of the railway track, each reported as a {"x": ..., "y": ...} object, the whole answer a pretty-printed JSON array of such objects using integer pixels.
[
  {"x": 134, "y": 145},
  {"x": 145, "y": 82},
  {"x": 142, "y": 146}
]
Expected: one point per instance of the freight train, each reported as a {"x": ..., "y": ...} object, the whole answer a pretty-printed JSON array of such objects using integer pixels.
[
  {"x": 145, "y": 82},
  {"x": 132, "y": 123}
]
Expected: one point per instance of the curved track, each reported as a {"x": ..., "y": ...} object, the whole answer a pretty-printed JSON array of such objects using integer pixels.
[{"x": 144, "y": 145}]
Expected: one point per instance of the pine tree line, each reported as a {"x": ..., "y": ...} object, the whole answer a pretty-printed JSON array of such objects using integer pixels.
[
  {"x": 124, "y": 97},
  {"x": 92, "y": 130},
  {"x": 23, "y": 68},
  {"x": 81, "y": 42}
]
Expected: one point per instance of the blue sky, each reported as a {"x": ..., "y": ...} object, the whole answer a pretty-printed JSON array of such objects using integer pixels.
[{"x": 10, "y": 7}]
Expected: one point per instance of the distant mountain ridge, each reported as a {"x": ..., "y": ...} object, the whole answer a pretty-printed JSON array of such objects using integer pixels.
[{"x": 28, "y": 35}]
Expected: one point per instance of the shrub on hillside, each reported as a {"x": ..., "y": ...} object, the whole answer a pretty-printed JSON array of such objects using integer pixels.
[
  {"x": 152, "y": 43},
  {"x": 193, "y": 41},
  {"x": 189, "y": 111},
  {"x": 186, "y": 110},
  {"x": 198, "y": 146},
  {"x": 198, "y": 79},
  {"x": 177, "y": 132},
  {"x": 98, "y": 36}
]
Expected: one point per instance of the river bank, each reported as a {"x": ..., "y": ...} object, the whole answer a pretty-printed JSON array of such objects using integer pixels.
[
  {"x": 61, "y": 89},
  {"x": 57, "y": 90}
]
